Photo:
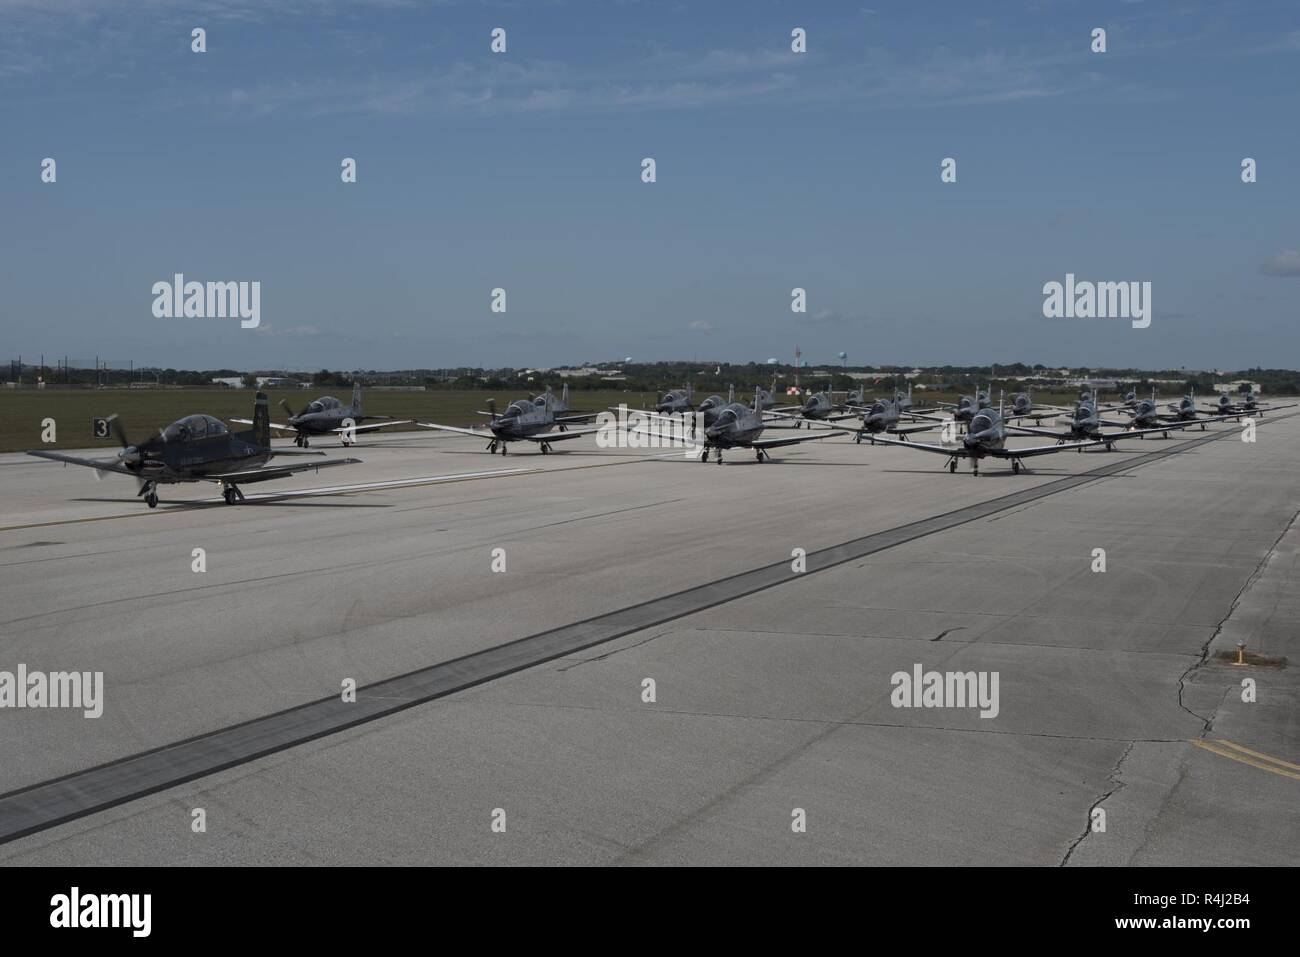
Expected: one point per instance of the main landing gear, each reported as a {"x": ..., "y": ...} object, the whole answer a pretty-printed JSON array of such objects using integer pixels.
[
  {"x": 546, "y": 447},
  {"x": 492, "y": 446},
  {"x": 232, "y": 494},
  {"x": 302, "y": 442},
  {"x": 761, "y": 455},
  {"x": 952, "y": 465}
]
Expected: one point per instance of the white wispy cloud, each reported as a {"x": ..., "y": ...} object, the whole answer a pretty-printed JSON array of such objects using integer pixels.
[{"x": 1285, "y": 263}]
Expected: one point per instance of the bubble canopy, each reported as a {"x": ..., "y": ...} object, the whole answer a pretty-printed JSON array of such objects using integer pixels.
[{"x": 194, "y": 427}]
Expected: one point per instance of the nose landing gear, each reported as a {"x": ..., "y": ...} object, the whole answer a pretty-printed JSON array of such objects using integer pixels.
[{"x": 150, "y": 492}]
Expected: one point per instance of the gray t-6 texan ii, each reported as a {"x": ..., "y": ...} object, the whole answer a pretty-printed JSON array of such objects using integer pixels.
[
  {"x": 523, "y": 421},
  {"x": 884, "y": 415},
  {"x": 739, "y": 426},
  {"x": 986, "y": 437},
  {"x": 677, "y": 400},
  {"x": 1086, "y": 422},
  {"x": 818, "y": 407},
  {"x": 1250, "y": 405},
  {"x": 1184, "y": 410},
  {"x": 328, "y": 416},
  {"x": 199, "y": 448}
]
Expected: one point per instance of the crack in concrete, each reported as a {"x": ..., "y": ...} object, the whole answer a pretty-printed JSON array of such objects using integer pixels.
[
  {"x": 1116, "y": 785},
  {"x": 1204, "y": 655}
]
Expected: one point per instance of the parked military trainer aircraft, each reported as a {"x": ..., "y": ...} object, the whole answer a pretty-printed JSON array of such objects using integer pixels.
[
  {"x": 740, "y": 426},
  {"x": 328, "y": 416},
  {"x": 1184, "y": 410},
  {"x": 1086, "y": 422},
  {"x": 985, "y": 438},
  {"x": 522, "y": 421},
  {"x": 678, "y": 400},
  {"x": 884, "y": 415},
  {"x": 818, "y": 407},
  {"x": 199, "y": 448},
  {"x": 1249, "y": 405}
]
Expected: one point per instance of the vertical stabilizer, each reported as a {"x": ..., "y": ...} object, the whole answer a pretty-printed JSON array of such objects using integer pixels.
[{"x": 261, "y": 421}]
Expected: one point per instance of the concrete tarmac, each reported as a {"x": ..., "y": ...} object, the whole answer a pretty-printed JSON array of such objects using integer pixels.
[{"x": 776, "y": 700}]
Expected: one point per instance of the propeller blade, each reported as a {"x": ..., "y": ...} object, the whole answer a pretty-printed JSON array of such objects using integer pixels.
[
  {"x": 284, "y": 404},
  {"x": 117, "y": 430}
]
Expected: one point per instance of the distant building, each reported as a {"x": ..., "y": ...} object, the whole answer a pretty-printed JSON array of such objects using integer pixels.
[
  {"x": 230, "y": 382},
  {"x": 277, "y": 382},
  {"x": 1236, "y": 384}
]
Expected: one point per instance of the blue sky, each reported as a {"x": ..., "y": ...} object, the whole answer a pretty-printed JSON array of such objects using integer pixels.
[{"x": 775, "y": 170}]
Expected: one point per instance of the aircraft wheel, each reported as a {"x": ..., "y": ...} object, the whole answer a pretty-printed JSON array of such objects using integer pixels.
[
  {"x": 229, "y": 495},
  {"x": 1202, "y": 426},
  {"x": 857, "y": 439},
  {"x": 1015, "y": 467},
  {"x": 503, "y": 448},
  {"x": 704, "y": 456},
  {"x": 306, "y": 442},
  {"x": 1166, "y": 435},
  {"x": 545, "y": 448},
  {"x": 952, "y": 466},
  {"x": 151, "y": 500}
]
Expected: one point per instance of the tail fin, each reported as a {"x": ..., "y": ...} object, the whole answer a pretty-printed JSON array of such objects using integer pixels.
[
  {"x": 261, "y": 421},
  {"x": 356, "y": 398},
  {"x": 731, "y": 394}
]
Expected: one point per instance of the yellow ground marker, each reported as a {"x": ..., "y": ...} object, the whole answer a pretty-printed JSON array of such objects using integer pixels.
[{"x": 1255, "y": 759}]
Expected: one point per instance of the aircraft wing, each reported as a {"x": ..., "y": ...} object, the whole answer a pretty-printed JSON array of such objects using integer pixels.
[
  {"x": 561, "y": 436},
  {"x": 108, "y": 466},
  {"x": 1039, "y": 449},
  {"x": 1111, "y": 436},
  {"x": 957, "y": 450},
  {"x": 818, "y": 423},
  {"x": 1029, "y": 430},
  {"x": 961, "y": 452},
  {"x": 268, "y": 472},
  {"x": 777, "y": 443},
  {"x": 477, "y": 433},
  {"x": 275, "y": 425},
  {"x": 371, "y": 428}
]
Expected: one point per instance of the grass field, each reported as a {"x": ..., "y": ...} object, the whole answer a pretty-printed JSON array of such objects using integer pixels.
[{"x": 143, "y": 411}]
